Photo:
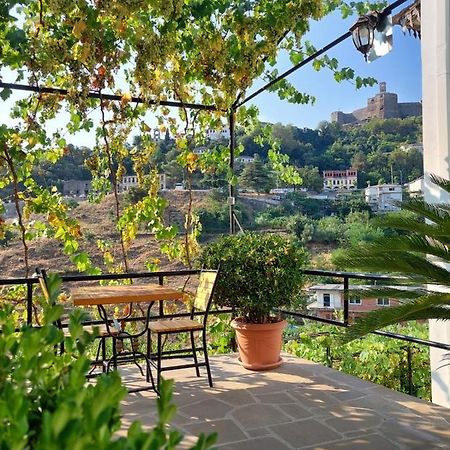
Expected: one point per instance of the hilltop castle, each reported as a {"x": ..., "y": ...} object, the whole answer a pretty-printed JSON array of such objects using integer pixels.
[{"x": 384, "y": 105}]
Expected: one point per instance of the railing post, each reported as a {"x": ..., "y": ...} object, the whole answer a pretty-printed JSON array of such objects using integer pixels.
[
  {"x": 410, "y": 379},
  {"x": 231, "y": 188},
  {"x": 161, "y": 304},
  {"x": 345, "y": 301},
  {"x": 29, "y": 303},
  {"x": 328, "y": 356}
]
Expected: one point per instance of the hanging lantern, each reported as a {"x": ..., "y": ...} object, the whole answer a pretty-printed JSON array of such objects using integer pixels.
[{"x": 363, "y": 32}]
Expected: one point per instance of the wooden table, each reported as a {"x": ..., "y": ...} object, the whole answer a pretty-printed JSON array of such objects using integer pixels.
[
  {"x": 130, "y": 293},
  {"x": 101, "y": 296}
]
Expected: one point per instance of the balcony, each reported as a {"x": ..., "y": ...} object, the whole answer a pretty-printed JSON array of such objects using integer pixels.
[
  {"x": 302, "y": 404},
  {"x": 299, "y": 405}
]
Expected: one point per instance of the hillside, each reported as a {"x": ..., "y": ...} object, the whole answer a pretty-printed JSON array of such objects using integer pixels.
[{"x": 96, "y": 222}]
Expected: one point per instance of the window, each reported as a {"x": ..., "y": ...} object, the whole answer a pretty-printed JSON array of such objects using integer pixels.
[
  {"x": 326, "y": 300},
  {"x": 383, "y": 302},
  {"x": 354, "y": 301}
]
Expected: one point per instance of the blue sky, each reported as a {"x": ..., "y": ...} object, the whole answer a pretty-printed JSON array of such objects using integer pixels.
[{"x": 401, "y": 69}]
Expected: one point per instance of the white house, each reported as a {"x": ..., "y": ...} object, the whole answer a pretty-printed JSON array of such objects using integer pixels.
[
  {"x": 244, "y": 159},
  {"x": 415, "y": 187},
  {"x": 407, "y": 148},
  {"x": 382, "y": 197},
  {"x": 213, "y": 135},
  {"x": 340, "y": 179},
  {"x": 199, "y": 150},
  {"x": 327, "y": 299},
  {"x": 131, "y": 181}
]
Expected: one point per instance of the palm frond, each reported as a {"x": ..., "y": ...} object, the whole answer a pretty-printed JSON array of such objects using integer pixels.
[
  {"x": 443, "y": 183},
  {"x": 412, "y": 243},
  {"x": 414, "y": 267},
  {"x": 414, "y": 226},
  {"x": 426, "y": 307},
  {"x": 399, "y": 293},
  {"x": 433, "y": 212}
]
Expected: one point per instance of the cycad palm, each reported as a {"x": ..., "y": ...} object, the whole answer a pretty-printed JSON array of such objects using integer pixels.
[{"x": 420, "y": 257}]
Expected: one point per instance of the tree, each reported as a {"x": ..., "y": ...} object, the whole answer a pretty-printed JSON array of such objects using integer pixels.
[
  {"x": 257, "y": 177},
  {"x": 311, "y": 178},
  {"x": 184, "y": 52},
  {"x": 424, "y": 290}
]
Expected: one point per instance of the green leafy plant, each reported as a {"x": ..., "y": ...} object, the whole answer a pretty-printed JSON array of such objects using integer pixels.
[
  {"x": 419, "y": 255},
  {"x": 45, "y": 402},
  {"x": 259, "y": 273},
  {"x": 376, "y": 358}
]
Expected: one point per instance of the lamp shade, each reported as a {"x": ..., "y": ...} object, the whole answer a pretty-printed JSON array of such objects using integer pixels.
[{"x": 363, "y": 32}]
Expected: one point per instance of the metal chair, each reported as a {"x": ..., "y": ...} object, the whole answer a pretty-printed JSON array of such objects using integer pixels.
[
  {"x": 200, "y": 309},
  {"x": 102, "y": 331}
]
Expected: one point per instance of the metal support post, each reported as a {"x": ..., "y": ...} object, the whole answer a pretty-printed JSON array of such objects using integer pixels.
[{"x": 231, "y": 188}]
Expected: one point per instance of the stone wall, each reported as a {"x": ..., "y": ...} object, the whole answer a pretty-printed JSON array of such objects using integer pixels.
[{"x": 384, "y": 105}]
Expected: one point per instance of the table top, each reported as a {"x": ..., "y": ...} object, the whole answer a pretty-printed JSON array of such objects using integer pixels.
[{"x": 130, "y": 293}]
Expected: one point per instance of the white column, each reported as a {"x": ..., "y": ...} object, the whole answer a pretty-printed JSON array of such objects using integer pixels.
[{"x": 436, "y": 137}]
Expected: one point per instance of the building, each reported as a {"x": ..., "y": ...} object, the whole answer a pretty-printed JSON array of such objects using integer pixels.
[
  {"x": 76, "y": 188},
  {"x": 200, "y": 150},
  {"x": 383, "y": 197},
  {"x": 328, "y": 301},
  {"x": 131, "y": 181},
  {"x": 384, "y": 105},
  {"x": 162, "y": 181},
  {"x": 340, "y": 179},
  {"x": 128, "y": 182},
  {"x": 212, "y": 135},
  {"x": 244, "y": 159},
  {"x": 415, "y": 187},
  {"x": 409, "y": 147}
]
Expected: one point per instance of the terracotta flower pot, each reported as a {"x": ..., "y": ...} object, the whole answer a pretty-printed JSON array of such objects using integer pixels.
[{"x": 259, "y": 344}]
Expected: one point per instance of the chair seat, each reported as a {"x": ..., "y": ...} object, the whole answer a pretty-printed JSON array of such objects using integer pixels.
[
  {"x": 169, "y": 326},
  {"x": 102, "y": 331}
]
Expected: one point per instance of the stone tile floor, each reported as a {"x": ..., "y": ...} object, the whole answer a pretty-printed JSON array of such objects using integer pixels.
[{"x": 299, "y": 405}]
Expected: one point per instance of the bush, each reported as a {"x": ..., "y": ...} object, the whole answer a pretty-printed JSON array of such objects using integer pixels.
[
  {"x": 258, "y": 273},
  {"x": 302, "y": 227},
  {"x": 214, "y": 220},
  {"x": 328, "y": 230},
  {"x": 377, "y": 359}
]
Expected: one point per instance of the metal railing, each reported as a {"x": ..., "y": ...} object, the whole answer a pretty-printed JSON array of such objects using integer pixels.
[
  {"x": 30, "y": 282},
  {"x": 346, "y": 276}
]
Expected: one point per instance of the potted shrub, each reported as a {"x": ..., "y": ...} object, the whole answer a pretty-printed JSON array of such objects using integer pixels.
[{"x": 259, "y": 273}]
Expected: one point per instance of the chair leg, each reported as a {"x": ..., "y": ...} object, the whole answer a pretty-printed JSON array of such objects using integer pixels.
[
  {"x": 194, "y": 354},
  {"x": 114, "y": 358},
  {"x": 205, "y": 351},
  {"x": 150, "y": 376},
  {"x": 149, "y": 344},
  {"x": 97, "y": 355},
  {"x": 158, "y": 362},
  {"x": 149, "y": 355},
  {"x": 103, "y": 343}
]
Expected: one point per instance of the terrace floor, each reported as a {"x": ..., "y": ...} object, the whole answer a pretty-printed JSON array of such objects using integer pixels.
[{"x": 299, "y": 405}]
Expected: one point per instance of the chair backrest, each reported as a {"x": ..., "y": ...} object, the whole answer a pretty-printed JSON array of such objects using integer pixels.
[
  {"x": 205, "y": 291},
  {"x": 43, "y": 278}
]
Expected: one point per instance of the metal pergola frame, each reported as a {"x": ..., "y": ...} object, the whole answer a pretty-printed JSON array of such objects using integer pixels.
[{"x": 231, "y": 112}]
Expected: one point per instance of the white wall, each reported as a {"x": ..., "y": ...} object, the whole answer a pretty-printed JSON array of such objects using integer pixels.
[
  {"x": 335, "y": 299},
  {"x": 436, "y": 134}
]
